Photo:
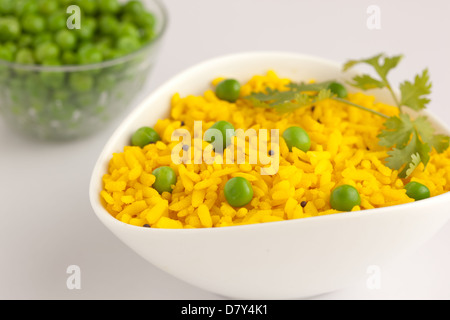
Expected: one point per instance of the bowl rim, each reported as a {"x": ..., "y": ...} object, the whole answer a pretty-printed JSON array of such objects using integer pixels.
[
  {"x": 106, "y": 217},
  {"x": 104, "y": 64}
]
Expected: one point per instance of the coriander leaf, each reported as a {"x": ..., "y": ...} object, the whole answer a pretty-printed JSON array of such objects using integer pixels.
[
  {"x": 389, "y": 64},
  {"x": 308, "y": 86},
  {"x": 366, "y": 82},
  {"x": 282, "y": 101},
  {"x": 398, "y": 131},
  {"x": 299, "y": 95},
  {"x": 323, "y": 94},
  {"x": 409, "y": 137},
  {"x": 440, "y": 142},
  {"x": 412, "y": 93},
  {"x": 403, "y": 157},
  {"x": 273, "y": 95},
  {"x": 351, "y": 63},
  {"x": 381, "y": 67},
  {"x": 302, "y": 100},
  {"x": 426, "y": 132},
  {"x": 415, "y": 161}
]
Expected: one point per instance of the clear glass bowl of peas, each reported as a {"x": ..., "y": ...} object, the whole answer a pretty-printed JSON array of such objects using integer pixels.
[{"x": 68, "y": 67}]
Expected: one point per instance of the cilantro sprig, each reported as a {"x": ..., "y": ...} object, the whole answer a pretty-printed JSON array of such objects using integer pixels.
[
  {"x": 410, "y": 140},
  {"x": 298, "y": 95}
]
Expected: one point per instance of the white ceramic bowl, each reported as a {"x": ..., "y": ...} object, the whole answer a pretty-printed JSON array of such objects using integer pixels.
[{"x": 276, "y": 260}]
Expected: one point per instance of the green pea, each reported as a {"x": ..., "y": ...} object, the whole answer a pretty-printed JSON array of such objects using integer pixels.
[
  {"x": 25, "y": 56},
  {"x": 145, "y": 19},
  {"x": 10, "y": 28},
  {"x": 57, "y": 21},
  {"x": 106, "y": 81},
  {"x": 6, "y": 54},
  {"x": 133, "y": 7},
  {"x": 47, "y": 51},
  {"x": 344, "y": 198},
  {"x": 25, "y": 40},
  {"x": 66, "y": 3},
  {"x": 90, "y": 56},
  {"x": 338, "y": 89},
  {"x": 165, "y": 179},
  {"x": 144, "y": 136},
  {"x": 7, "y": 6},
  {"x": 127, "y": 17},
  {"x": 147, "y": 34},
  {"x": 33, "y": 23},
  {"x": 61, "y": 95},
  {"x": 109, "y": 6},
  {"x": 66, "y": 39},
  {"x": 32, "y": 82},
  {"x": 26, "y": 6},
  {"x": 220, "y": 130},
  {"x": 298, "y": 138},
  {"x": 128, "y": 29},
  {"x": 48, "y": 6},
  {"x": 11, "y": 46},
  {"x": 417, "y": 191},
  {"x": 108, "y": 24},
  {"x": 53, "y": 79},
  {"x": 238, "y": 192},
  {"x": 88, "y": 28},
  {"x": 18, "y": 6},
  {"x": 81, "y": 82},
  {"x": 69, "y": 58},
  {"x": 42, "y": 38},
  {"x": 128, "y": 44},
  {"x": 109, "y": 53},
  {"x": 86, "y": 100},
  {"x": 228, "y": 90},
  {"x": 88, "y": 7},
  {"x": 51, "y": 62},
  {"x": 104, "y": 42},
  {"x": 84, "y": 47}
]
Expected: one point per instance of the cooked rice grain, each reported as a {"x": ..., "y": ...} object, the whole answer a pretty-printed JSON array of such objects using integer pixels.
[{"x": 344, "y": 150}]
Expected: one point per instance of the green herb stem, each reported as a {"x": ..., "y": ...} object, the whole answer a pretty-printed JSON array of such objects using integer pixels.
[
  {"x": 388, "y": 86},
  {"x": 360, "y": 107}
]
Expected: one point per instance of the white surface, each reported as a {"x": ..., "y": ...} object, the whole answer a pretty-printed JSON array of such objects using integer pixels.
[{"x": 48, "y": 224}]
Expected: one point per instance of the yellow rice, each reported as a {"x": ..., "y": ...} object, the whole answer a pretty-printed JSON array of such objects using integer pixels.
[{"x": 344, "y": 150}]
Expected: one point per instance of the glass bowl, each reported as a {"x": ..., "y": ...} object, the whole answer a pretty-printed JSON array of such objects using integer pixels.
[{"x": 69, "y": 102}]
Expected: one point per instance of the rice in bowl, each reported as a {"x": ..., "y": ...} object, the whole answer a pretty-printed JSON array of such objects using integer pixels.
[{"x": 344, "y": 150}]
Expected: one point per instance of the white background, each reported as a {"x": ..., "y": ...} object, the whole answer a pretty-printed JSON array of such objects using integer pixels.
[{"x": 46, "y": 221}]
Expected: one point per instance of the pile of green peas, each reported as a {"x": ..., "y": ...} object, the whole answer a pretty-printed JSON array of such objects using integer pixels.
[
  {"x": 36, "y": 32},
  {"x": 52, "y": 82}
]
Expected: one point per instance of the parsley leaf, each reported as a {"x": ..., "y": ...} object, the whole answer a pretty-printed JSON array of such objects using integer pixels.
[
  {"x": 425, "y": 130},
  {"x": 412, "y": 93},
  {"x": 299, "y": 95},
  {"x": 412, "y": 139},
  {"x": 316, "y": 86},
  {"x": 406, "y": 158},
  {"x": 380, "y": 63},
  {"x": 414, "y": 163},
  {"x": 366, "y": 82},
  {"x": 397, "y": 133}
]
